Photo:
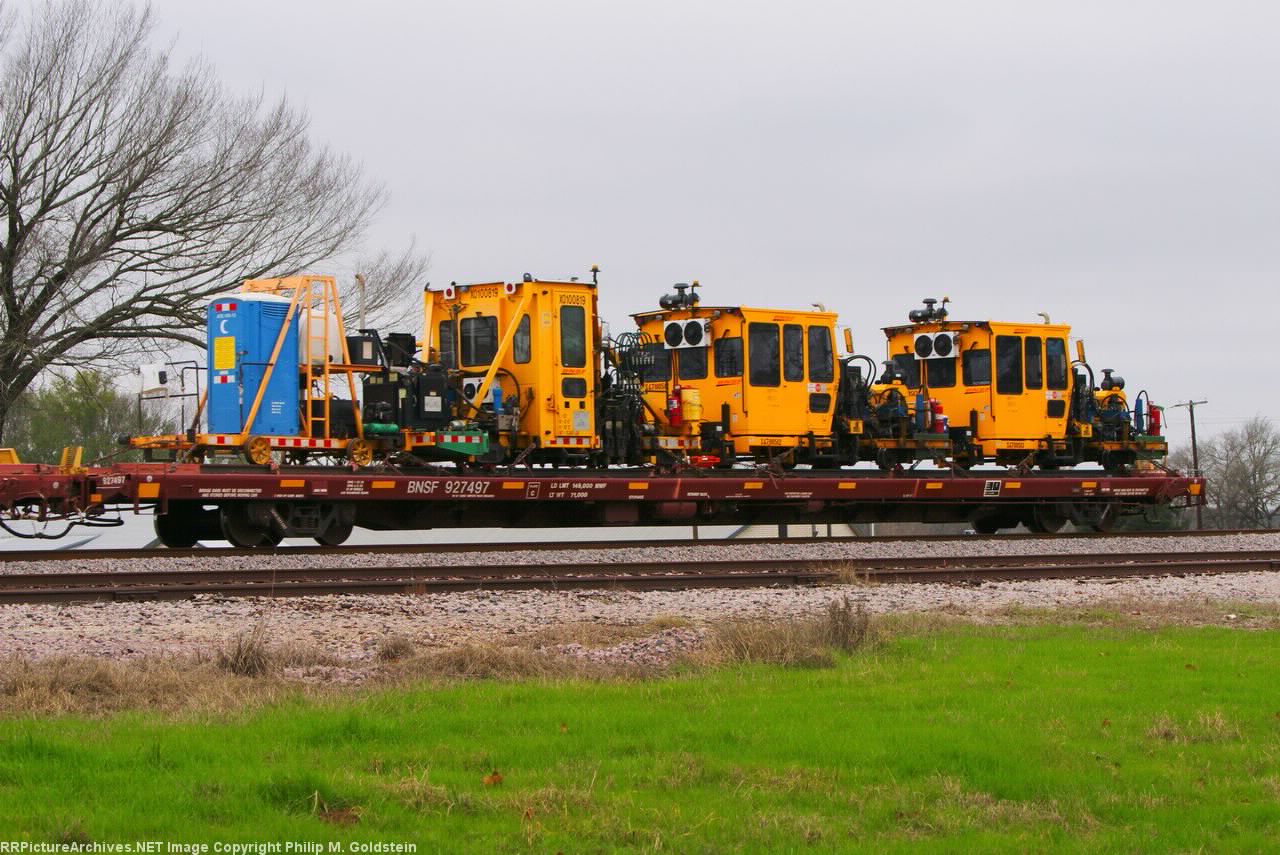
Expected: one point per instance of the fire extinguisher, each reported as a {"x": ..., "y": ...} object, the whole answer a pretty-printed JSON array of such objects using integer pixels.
[
  {"x": 675, "y": 407},
  {"x": 938, "y": 422},
  {"x": 1154, "y": 419}
]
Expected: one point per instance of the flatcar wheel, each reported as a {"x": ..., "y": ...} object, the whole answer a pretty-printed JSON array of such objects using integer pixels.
[
  {"x": 360, "y": 452},
  {"x": 257, "y": 450},
  {"x": 1105, "y": 519},
  {"x": 1099, "y": 516},
  {"x": 175, "y": 530},
  {"x": 336, "y": 534},
  {"x": 1046, "y": 519},
  {"x": 241, "y": 531}
]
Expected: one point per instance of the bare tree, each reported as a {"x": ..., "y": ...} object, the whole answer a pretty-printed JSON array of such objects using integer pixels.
[
  {"x": 1242, "y": 474},
  {"x": 133, "y": 191}
]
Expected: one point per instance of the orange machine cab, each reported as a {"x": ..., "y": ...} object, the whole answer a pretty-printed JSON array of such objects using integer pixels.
[
  {"x": 737, "y": 379},
  {"x": 526, "y": 354}
]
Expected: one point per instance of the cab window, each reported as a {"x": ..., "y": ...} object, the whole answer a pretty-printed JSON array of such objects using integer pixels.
[
  {"x": 573, "y": 337},
  {"x": 693, "y": 363},
  {"x": 792, "y": 353},
  {"x": 910, "y": 368},
  {"x": 479, "y": 339},
  {"x": 729, "y": 357},
  {"x": 822, "y": 367},
  {"x": 762, "y": 352},
  {"x": 448, "y": 345},
  {"x": 1008, "y": 365},
  {"x": 1055, "y": 362},
  {"x": 941, "y": 373},
  {"x": 976, "y": 365},
  {"x": 522, "y": 344},
  {"x": 1035, "y": 367}
]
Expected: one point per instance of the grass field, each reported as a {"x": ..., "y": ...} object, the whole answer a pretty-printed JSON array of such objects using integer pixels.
[{"x": 961, "y": 738}]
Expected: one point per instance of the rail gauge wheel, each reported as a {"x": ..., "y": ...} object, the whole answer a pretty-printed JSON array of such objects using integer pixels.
[
  {"x": 257, "y": 450},
  {"x": 360, "y": 452},
  {"x": 240, "y": 530}
]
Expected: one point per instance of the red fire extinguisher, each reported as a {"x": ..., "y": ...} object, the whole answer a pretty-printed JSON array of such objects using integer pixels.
[
  {"x": 675, "y": 407},
  {"x": 1154, "y": 420},
  {"x": 937, "y": 421}
]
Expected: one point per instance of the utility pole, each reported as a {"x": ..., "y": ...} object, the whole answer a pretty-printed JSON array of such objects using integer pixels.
[{"x": 1195, "y": 451}]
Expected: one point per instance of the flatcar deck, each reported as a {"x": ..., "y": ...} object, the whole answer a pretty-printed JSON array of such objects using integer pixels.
[{"x": 305, "y": 501}]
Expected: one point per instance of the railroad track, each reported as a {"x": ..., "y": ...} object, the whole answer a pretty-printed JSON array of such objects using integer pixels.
[
  {"x": 56, "y": 555},
  {"x": 308, "y": 581}
]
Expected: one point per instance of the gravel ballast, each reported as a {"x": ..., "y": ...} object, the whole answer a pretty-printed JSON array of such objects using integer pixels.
[
  {"x": 352, "y": 627},
  {"x": 793, "y": 550}
]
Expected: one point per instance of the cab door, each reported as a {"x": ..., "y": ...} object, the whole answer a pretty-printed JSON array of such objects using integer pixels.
[
  {"x": 1008, "y": 407},
  {"x": 574, "y": 382},
  {"x": 764, "y": 377},
  {"x": 820, "y": 390}
]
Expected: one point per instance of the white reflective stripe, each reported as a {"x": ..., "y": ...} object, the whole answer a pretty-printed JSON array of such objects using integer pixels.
[
  {"x": 302, "y": 442},
  {"x": 569, "y": 440}
]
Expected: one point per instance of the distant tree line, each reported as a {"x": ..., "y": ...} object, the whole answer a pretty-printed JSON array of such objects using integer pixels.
[
  {"x": 1242, "y": 469},
  {"x": 81, "y": 409}
]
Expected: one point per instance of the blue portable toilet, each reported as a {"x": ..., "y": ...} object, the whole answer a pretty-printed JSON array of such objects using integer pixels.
[{"x": 242, "y": 333}]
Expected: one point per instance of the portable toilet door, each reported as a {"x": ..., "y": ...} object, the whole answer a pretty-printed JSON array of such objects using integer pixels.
[{"x": 243, "y": 330}]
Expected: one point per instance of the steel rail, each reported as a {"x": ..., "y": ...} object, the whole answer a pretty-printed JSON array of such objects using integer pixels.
[
  {"x": 36, "y": 555},
  {"x": 136, "y": 585},
  {"x": 415, "y": 585}
]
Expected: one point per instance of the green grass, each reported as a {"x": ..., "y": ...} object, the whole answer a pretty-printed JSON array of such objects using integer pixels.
[{"x": 1014, "y": 738}]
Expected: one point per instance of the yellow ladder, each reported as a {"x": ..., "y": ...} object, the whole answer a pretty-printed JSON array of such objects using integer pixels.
[
  {"x": 311, "y": 295},
  {"x": 318, "y": 299}
]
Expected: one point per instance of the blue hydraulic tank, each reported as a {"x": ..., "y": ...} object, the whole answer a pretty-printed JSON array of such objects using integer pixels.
[{"x": 242, "y": 334}]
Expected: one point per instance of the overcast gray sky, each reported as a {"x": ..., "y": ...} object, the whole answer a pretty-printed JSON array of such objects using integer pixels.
[{"x": 1115, "y": 164}]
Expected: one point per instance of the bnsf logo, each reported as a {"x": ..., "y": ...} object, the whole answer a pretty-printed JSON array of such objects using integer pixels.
[{"x": 452, "y": 488}]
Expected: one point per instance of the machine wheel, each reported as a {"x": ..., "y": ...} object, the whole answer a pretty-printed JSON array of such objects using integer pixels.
[
  {"x": 257, "y": 450},
  {"x": 241, "y": 531},
  {"x": 360, "y": 452}
]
